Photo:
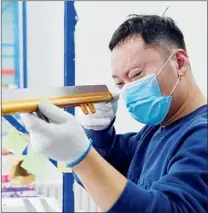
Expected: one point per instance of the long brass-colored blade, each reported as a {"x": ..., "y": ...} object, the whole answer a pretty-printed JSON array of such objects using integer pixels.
[{"x": 26, "y": 100}]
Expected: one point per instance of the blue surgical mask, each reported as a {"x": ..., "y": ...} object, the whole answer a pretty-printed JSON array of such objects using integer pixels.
[{"x": 145, "y": 101}]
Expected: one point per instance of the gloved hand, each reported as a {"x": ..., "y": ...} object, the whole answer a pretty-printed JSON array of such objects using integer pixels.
[
  {"x": 102, "y": 118},
  {"x": 63, "y": 139}
]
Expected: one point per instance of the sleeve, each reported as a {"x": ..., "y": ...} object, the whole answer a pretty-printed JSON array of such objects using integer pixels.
[
  {"x": 117, "y": 149},
  {"x": 183, "y": 189}
]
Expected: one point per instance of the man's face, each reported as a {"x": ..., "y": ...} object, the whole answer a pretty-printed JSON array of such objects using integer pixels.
[{"x": 133, "y": 60}]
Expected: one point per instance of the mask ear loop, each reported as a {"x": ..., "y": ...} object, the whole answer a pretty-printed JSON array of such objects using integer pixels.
[
  {"x": 165, "y": 64},
  {"x": 175, "y": 86}
]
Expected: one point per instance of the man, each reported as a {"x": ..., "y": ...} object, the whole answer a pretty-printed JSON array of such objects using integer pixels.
[{"x": 162, "y": 168}]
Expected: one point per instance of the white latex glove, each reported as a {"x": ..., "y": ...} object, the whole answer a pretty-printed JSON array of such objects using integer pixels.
[
  {"x": 63, "y": 139},
  {"x": 102, "y": 118}
]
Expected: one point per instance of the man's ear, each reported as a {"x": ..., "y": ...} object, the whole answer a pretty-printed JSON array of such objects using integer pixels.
[{"x": 183, "y": 62}]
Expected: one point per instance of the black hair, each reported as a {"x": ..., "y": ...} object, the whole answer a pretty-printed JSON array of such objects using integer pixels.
[{"x": 154, "y": 30}]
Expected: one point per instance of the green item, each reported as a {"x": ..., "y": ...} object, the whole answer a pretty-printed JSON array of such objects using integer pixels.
[
  {"x": 15, "y": 142},
  {"x": 33, "y": 162}
]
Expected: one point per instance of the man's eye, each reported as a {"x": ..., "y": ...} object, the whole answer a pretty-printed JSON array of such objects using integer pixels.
[
  {"x": 137, "y": 76},
  {"x": 119, "y": 85}
]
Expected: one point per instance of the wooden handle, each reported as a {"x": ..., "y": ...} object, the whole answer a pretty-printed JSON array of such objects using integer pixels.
[{"x": 31, "y": 105}]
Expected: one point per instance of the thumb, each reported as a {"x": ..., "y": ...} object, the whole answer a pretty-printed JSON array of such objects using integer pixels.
[
  {"x": 115, "y": 96},
  {"x": 114, "y": 91},
  {"x": 32, "y": 122},
  {"x": 52, "y": 112}
]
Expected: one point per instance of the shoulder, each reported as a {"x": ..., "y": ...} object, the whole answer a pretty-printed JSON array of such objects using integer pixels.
[
  {"x": 191, "y": 148},
  {"x": 200, "y": 117},
  {"x": 193, "y": 135},
  {"x": 192, "y": 123},
  {"x": 189, "y": 135},
  {"x": 198, "y": 124}
]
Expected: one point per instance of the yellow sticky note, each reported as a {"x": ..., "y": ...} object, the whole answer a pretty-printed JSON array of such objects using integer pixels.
[
  {"x": 16, "y": 141},
  {"x": 63, "y": 168},
  {"x": 34, "y": 162}
]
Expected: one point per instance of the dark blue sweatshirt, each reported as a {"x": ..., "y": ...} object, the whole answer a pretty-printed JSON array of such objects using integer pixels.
[{"x": 166, "y": 167}]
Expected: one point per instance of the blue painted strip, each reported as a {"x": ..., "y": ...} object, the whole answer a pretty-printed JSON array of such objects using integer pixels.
[
  {"x": 24, "y": 42},
  {"x": 69, "y": 47},
  {"x": 69, "y": 79},
  {"x": 53, "y": 162},
  {"x": 16, "y": 41},
  {"x": 16, "y": 124},
  {"x": 68, "y": 194},
  {"x": 24, "y": 49}
]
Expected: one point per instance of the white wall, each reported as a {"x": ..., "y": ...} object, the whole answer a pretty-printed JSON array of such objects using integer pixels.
[
  {"x": 99, "y": 19},
  {"x": 45, "y": 25}
]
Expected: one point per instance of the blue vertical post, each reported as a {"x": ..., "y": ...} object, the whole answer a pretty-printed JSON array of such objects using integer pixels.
[
  {"x": 24, "y": 48},
  {"x": 16, "y": 42},
  {"x": 69, "y": 79},
  {"x": 24, "y": 42}
]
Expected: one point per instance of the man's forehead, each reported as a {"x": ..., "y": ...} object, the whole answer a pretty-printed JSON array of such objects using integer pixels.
[{"x": 128, "y": 52}]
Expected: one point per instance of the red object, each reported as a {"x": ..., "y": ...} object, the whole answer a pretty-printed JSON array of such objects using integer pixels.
[
  {"x": 5, "y": 153},
  {"x": 7, "y": 72},
  {"x": 5, "y": 178}
]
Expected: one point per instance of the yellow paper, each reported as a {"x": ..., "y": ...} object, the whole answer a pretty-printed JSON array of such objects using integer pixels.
[
  {"x": 16, "y": 141},
  {"x": 33, "y": 162},
  {"x": 63, "y": 168}
]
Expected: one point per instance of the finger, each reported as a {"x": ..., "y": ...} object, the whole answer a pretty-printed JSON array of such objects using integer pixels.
[
  {"x": 104, "y": 106},
  {"x": 43, "y": 117},
  {"x": 52, "y": 112},
  {"x": 98, "y": 114},
  {"x": 115, "y": 96},
  {"x": 94, "y": 122},
  {"x": 32, "y": 122}
]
